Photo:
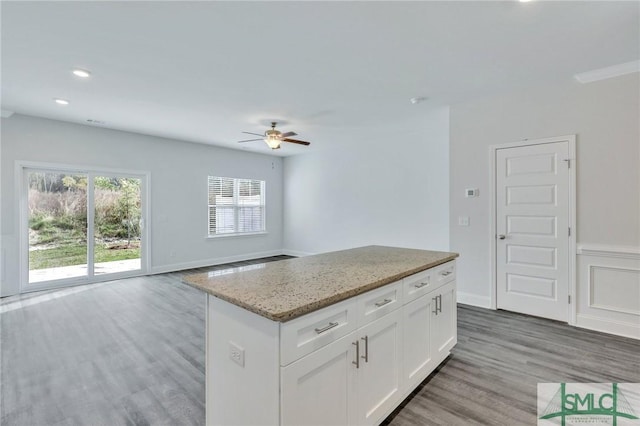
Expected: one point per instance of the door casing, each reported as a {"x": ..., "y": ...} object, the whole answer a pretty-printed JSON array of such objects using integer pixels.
[
  {"x": 22, "y": 223},
  {"x": 571, "y": 261}
]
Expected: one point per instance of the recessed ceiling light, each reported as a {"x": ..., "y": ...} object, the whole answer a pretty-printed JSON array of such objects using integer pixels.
[
  {"x": 81, "y": 73},
  {"x": 61, "y": 101}
]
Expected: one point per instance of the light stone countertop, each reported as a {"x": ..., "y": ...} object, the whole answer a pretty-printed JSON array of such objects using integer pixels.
[{"x": 286, "y": 289}]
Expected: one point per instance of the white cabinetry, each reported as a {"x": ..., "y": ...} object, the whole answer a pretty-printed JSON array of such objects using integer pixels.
[
  {"x": 319, "y": 389},
  {"x": 444, "y": 321},
  {"x": 350, "y": 363},
  {"x": 379, "y": 373},
  {"x": 429, "y": 322}
]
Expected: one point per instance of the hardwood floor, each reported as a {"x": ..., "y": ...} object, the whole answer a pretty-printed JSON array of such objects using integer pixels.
[{"x": 131, "y": 352}]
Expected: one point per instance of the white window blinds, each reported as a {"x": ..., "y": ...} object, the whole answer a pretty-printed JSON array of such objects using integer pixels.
[{"x": 236, "y": 206}]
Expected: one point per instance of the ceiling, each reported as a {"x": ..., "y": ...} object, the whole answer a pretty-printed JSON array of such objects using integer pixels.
[{"x": 205, "y": 71}]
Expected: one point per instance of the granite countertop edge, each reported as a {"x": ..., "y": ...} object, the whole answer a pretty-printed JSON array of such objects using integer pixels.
[{"x": 306, "y": 308}]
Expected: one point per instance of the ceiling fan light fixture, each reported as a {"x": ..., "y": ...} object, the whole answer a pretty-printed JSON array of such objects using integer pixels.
[{"x": 273, "y": 141}]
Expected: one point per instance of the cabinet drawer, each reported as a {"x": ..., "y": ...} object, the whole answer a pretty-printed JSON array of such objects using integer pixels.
[
  {"x": 379, "y": 302},
  {"x": 417, "y": 285},
  {"x": 310, "y": 332},
  {"x": 444, "y": 273}
]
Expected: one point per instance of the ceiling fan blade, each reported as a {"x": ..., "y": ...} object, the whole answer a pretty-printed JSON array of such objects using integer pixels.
[
  {"x": 250, "y": 133},
  {"x": 287, "y": 134},
  {"x": 251, "y": 140},
  {"x": 296, "y": 141}
]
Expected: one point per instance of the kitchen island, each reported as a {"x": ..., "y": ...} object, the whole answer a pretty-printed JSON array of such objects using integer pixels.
[{"x": 335, "y": 338}]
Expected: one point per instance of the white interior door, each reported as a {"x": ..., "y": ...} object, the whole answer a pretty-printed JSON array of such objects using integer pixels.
[{"x": 532, "y": 227}]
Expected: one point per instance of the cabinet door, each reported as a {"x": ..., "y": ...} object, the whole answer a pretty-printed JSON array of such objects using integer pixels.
[
  {"x": 416, "y": 323},
  {"x": 319, "y": 389},
  {"x": 444, "y": 322},
  {"x": 379, "y": 376}
]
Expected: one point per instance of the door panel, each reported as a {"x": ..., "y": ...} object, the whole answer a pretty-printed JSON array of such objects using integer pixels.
[
  {"x": 379, "y": 375},
  {"x": 532, "y": 211},
  {"x": 318, "y": 389},
  {"x": 57, "y": 221}
]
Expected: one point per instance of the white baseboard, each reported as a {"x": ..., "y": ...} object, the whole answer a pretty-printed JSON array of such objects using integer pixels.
[
  {"x": 212, "y": 262},
  {"x": 618, "y": 328},
  {"x": 296, "y": 253},
  {"x": 474, "y": 300}
]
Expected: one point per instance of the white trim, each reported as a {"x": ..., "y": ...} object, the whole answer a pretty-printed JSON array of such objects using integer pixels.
[
  {"x": 618, "y": 328},
  {"x": 474, "y": 300},
  {"x": 79, "y": 281},
  {"x": 601, "y": 250},
  {"x": 212, "y": 262},
  {"x": 591, "y": 284},
  {"x": 608, "y": 72},
  {"x": 22, "y": 223},
  {"x": 6, "y": 113},
  {"x": 296, "y": 253},
  {"x": 235, "y": 234},
  {"x": 572, "y": 290}
]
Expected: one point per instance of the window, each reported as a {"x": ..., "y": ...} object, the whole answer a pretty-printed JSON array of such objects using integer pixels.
[{"x": 236, "y": 206}]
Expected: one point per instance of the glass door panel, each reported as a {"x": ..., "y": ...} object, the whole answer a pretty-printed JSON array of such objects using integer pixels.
[
  {"x": 57, "y": 218},
  {"x": 117, "y": 224}
]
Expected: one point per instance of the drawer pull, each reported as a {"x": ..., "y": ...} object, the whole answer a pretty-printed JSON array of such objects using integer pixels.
[
  {"x": 445, "y": 273},
  {"x": 383, "y": 302},
  {"x": 420, "y": 285},
  {"x": 326, "y": 327}
]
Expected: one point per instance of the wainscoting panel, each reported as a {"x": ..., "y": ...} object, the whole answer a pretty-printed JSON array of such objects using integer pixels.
[{"x": 609, "y": 289}]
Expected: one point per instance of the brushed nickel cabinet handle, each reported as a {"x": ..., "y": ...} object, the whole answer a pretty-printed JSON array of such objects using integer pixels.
[
  {"x": 366, "y": 349},
  {"x": 420, "y": 285},
  {"x": 439, "y": 304},
  {"x": 326, "y": 327},
  {"x": 445, "y": 273},
  {"x": 383, "y": 302},
  {"x": 357, "y": 361},
  {"x": 435, "y": 305}
]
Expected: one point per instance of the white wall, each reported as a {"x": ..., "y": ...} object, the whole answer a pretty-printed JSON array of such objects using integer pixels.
[
  {"x": 605, "y": 117},
  {"x": 385, "y": 186},
  {"x": 178, "y": 195}
]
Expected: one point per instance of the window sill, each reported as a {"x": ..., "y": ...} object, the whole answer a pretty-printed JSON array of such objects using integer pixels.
[{"x": 240, "y": 234}]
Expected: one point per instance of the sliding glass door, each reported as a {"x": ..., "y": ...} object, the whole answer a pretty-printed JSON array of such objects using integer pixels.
[
  {"x": 82, "y": 226},
  {"x": 117, "y": 224},
  {"x": 57, "y": 218}
]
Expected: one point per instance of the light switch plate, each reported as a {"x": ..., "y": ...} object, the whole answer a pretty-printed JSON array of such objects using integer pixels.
[
  {"x": 471, "y": 192},
  {"x": 463, "y": 221}
]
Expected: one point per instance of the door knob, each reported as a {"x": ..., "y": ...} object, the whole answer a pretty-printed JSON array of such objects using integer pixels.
[{"x": 502, "y": 236}]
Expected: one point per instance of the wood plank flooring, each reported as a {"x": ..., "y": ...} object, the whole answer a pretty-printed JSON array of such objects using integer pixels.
[{"x": 131, "y": 352}]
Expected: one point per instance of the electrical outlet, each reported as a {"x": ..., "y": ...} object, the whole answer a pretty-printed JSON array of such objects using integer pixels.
[{"x": 236, "y": 353}]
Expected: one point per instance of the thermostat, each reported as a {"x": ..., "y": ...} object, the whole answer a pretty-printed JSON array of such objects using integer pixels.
[{"x": 471, "y": 192}]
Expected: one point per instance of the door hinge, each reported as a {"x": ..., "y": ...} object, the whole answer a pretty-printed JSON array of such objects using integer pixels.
[
  {"x": 568, "y": 160},
  {"x": 569, "y": 299},
  {"x": 569, "y": 231}
]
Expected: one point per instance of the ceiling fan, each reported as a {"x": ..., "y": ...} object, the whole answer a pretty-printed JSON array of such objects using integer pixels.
[{"x": 274, "y": 137}]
